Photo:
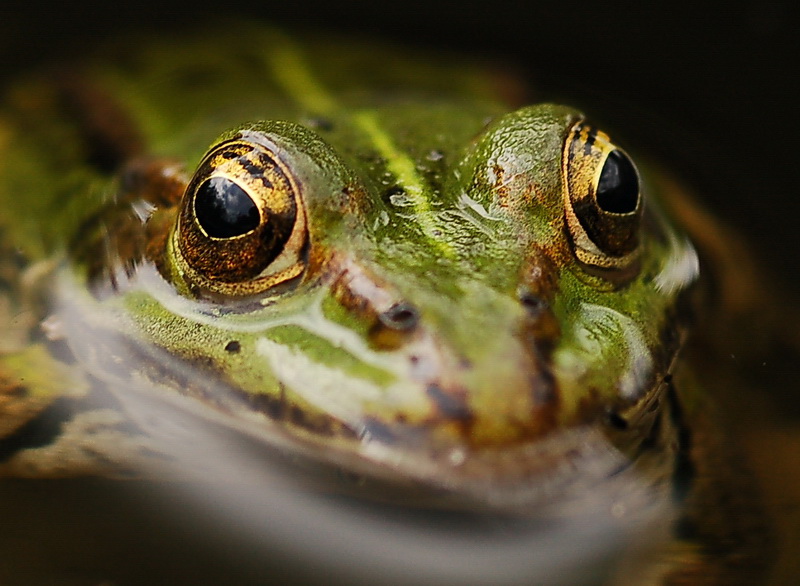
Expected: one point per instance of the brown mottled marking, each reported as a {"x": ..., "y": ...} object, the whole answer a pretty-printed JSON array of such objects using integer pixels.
[
  {"x": 450, "y": 404},
  {"x": 111, "y": 135},
  {"x": 161, "y": 182},
  {"x": 500, "y": 190},
  {"x": 359, "y": 291},
  {"x": 539, "y": 284},
  {"x": 391, "y": 321},
  {"x": 135, "y": 223},
  {"x": 540, "y": 331}
]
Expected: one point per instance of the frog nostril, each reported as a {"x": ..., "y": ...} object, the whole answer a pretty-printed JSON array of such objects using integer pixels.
[
  {"x": 533, "y": 304},
  {"x": 400, "y": 317}
]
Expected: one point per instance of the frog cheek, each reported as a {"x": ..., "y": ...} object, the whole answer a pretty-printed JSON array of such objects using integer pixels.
[
  {"x": 241, "y": 228},
  {"x": 602, "y": 200}
]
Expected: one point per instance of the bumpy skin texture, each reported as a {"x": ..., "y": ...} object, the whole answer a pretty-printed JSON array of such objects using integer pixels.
[{"x": 433, "y": 310}]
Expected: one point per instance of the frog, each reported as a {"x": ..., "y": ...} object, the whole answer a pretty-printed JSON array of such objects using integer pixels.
[{"x": 393, "y": 268}]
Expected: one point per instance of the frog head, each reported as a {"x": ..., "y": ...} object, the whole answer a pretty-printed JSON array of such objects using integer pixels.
[{"x": 419, "y": 301}]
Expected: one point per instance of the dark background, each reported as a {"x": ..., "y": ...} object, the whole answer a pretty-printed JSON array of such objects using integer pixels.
[{"x": 708, "y": 87}]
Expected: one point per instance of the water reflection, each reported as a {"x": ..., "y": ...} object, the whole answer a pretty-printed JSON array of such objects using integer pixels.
[{"x": 245, "y": 516}]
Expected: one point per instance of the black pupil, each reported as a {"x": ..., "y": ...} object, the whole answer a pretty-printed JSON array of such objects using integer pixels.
[
  {"x": 618, "y": 188},
  {"x": 224, "y": 209}
]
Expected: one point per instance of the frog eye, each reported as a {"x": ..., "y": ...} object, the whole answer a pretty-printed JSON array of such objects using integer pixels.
[
  {"x": 603, "y": 200},
  {"x": 241, "y": 227}
]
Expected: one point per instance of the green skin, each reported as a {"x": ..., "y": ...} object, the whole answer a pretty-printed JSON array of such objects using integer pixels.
[{"x": 433, "y": 190}]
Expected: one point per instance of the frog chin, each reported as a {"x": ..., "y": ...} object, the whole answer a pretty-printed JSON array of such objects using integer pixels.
[{"x": 574, "y": 470}]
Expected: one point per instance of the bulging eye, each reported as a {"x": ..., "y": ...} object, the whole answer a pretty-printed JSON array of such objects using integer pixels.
[
  {"x": 603, "y": 201},
  {"x": 241, "y": 227}
]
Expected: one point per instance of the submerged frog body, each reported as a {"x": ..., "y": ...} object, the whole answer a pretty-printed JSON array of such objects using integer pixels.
[{"x": 397, "y": 271}]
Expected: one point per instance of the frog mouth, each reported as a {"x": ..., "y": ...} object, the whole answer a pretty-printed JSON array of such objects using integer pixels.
[
  {"x": 447, "y": 458},
  {"x": 580, "y": 467},
  {"x": 444, "y": 447}
]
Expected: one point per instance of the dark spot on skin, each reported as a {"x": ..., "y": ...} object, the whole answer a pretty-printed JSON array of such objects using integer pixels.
[
  {"x": 297, "y": 416},
  {"x": 450, "y": 406},
  {"x": 400, "y": 317},
  {"x": 319, "y": 425},
  {"x": 18, "y": 392},
  {"x": 274, "y": 407},
  {"x": 544, "y": 388},
  {"x": 617, "y": 421},
  {"x": 533, "y": 304},
  {"x": 233, "y": 347},
  {"x": 414, "y": 359}
]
